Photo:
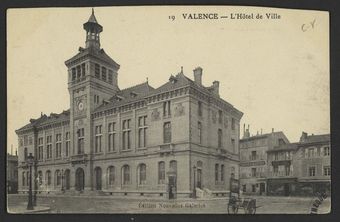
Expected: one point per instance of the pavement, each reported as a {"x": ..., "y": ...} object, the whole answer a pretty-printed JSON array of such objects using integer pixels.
[{"x": 114, "y": 205}]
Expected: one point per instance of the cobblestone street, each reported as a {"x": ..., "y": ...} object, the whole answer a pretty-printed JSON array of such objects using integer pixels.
[{"x": 108, "y": 204}]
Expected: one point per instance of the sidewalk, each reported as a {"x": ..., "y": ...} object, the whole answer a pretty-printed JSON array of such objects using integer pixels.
[{"x": 21, "y": 209}]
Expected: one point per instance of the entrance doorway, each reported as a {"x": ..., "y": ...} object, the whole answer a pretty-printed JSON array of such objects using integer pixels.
[
  {"x": 98, "y": 176},
  {"x": 286, "y": 189},
  {"x": 172, "y": 187},
  {"x": 67, "y": 179},
  {"x": 262, "y": 188},
  {"x": 80, "y": 179}
]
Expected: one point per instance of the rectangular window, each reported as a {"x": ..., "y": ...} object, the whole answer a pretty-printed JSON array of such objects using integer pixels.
[
  {"x": 74, "y": 74},
  {"x": 166, "y": 109},
  {"x": 81, "y": 141},
  {"x": 222, "y": 173},
  {"x": 326, "y": 170},
  {"x": 311, "y": 152},
  {"x": 232, "y": 123},
  {"x": 98, "y": 139},
  {"x": 142, "y": 131},
  {"x": 67, "y": 144},
  {"x": 48, "y": 147},
  {"x": 30, "y": 140},
  {"x": 200, "y": 108},
  {"x": 25, "y": 140},
  {"x": 161, "y": 172},
  {"x": 167, "y": 132},
  {"x": 83, "y": 70},
  {"x": 40, "y": 148},
  {"x": 326, "y": 151},
  {"x": 219, "y": 116},
  {"x": 233, "y": 145},
  {"x": 78, "y": 72},
  {"x": 311, "y": 171},
  {"x": 97, "y": 71},
  {"x": 216, "y": 173},
  {"x": 126, "y": 134},
  {"x": 199, "y": 125},
  {"x": 110, "y": 76},
  {"x": 112, "y": 136},
  {"x": 219, "y": 138},
  {"x": 253, "y": 155},
  {"x": 253, "y": 188},
  {"x": 103, "y": 73},
  {"x": 58, "y": 145},
  {"x": 253, "y": 172}
]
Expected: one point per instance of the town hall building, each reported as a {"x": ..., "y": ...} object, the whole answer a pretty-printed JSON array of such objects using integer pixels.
[{"x": 168, "y": 141}]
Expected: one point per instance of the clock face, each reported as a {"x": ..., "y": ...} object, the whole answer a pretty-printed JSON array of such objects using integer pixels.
[{"x": 80, "y": 106}]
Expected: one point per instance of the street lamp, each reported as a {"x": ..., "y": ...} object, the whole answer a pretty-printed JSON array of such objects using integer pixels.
[
  {"x": 194, "y": 193},
  {"x": 30, "y": 160}
]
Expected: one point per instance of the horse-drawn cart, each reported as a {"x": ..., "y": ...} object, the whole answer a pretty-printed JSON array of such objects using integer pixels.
[{"x": 236, "y": 202}]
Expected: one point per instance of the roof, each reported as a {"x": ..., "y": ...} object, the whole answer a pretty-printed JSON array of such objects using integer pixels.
[
  {"x": 98, "y": 53},
  {"x": 127, "y": 95},
  {"x": 92, "y": 18},
  {"x": 44, "y": 119},
  {"x": 260, "y": 136},
  {"x": 284, "y": 147},
  {"x": 316, "y": 139}
]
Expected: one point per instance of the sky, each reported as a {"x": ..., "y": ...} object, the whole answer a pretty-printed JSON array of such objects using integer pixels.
[{"x": 274, "y": 71}]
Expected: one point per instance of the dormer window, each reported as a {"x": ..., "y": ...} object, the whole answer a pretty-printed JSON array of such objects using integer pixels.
[
  {"x": 133, "y": 94},
  {"x": 172, "y": 79}
]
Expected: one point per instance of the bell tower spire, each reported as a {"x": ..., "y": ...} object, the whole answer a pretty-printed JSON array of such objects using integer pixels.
[{"x": 93, "y": 29}]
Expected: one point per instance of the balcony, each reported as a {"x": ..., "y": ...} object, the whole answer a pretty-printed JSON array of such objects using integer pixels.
[
  {"x": 79, "y": 159},
  {"x": 166, "y": 148},
  {"x": 280, "y": 174},
  {"x": 253, "y": 175}
]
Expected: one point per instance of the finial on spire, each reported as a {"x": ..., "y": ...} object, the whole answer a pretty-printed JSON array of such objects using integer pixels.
[{"x": 92, "y": 11}]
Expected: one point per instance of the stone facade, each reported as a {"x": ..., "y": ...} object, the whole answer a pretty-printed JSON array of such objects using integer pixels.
[
  {"x": 253, "y": 160},
  {"x": 301, "y": 168},
  {"x": 141, "y": 140},
  {"x": 12, "y": 173}
]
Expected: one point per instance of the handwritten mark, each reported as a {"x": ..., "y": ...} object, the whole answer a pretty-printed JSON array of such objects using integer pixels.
[{"x": 308, "y": 26}]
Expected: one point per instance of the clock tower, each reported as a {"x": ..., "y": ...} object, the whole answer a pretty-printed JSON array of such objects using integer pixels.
[{"x": 92, "y": 79}]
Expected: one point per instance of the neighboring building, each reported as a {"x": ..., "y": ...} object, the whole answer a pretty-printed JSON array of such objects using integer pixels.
[
  {"x": 301, "y": 168},
  {"x": 253, "y": 159},
  {"x": 12, "y": 173},
  {"x": 134, "y": 141}
]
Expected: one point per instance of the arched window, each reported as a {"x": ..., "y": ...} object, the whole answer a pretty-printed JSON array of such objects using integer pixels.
[
  {"x": 173, "y": 165},
  {"x": 57, "y": 177},
  {"x": 216, "y": 173},
  {"x": 27, "y": 178},
  {"x": 23, "y": 179},
  {"x": 110, "y": 175},
  {"x": 40, "y": 178},
  {"x": 126, "y": 174},
  {"x": 142, "y": 174},
  {"x": 161, "y": 172},
  {"x": 48, "y": 178}
]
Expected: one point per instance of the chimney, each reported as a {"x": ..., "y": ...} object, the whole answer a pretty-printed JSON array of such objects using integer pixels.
[
  {"x": 244, "y": 129},
  {"x": 16, "y": 152},
  {"x": 198, "y": 75},
  {"x": 261, "y": 131},
  {"x": 216, "y": 86},
  {"x": 272, "y": 130},
  {"x": 303, "y": 137}
]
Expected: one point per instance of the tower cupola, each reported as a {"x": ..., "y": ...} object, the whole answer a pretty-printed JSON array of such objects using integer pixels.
[{"x": 93, "y": 29}]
